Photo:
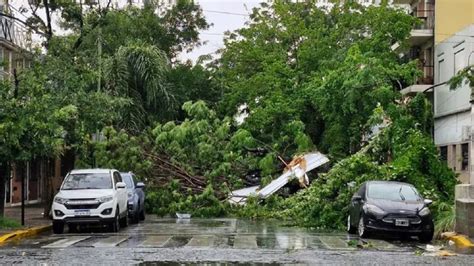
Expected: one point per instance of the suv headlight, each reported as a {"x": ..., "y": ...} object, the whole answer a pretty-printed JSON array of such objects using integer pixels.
[
  {"x": 60, "y": 200},
  {"x": 105, "y": 199},
  {"x": 369, "y": 208},
  {"x": 425, "y": 211}
]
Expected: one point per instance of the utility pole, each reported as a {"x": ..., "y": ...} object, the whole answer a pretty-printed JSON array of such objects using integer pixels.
[
  {"x": 15, "y": 94},
  {"x": 471, "y": 144},
  {"x": 99, "y": 55}
]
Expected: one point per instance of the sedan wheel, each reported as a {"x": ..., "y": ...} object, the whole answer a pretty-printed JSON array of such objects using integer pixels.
[{"x": 362, "y": 229}]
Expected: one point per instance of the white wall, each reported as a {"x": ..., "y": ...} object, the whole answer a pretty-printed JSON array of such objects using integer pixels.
[
  {"x": 448, "y": 129},
  {"x": 451, "y": 56}
]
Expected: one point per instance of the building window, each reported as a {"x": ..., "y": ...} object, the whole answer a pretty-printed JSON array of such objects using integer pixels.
[
  {"x": 442, "y": 71},
  {"x": 443, "y": 153},
  {"x": 459, "y": 59},
  {"x": 465, "y": 156}
]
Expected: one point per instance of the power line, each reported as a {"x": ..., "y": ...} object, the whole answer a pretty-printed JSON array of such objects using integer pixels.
[
  {"x": 212, "y": 33},
  {"x": 227, "y": 13}
]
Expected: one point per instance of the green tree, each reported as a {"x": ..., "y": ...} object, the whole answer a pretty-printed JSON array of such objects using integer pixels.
[
  {"x": 326, "y": 70},
  {"x": 30, "y": 127},
  {"x": 139, "y": 72}
]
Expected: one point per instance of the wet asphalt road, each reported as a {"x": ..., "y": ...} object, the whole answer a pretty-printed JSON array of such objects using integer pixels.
[{"x": 215, "y": 242}]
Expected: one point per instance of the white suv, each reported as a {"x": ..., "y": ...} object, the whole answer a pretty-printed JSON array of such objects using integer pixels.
[{"x": 91, "y": 196}]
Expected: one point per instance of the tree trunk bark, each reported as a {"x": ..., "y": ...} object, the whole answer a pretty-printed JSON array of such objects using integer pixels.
[{"x": 3, "y": 181}]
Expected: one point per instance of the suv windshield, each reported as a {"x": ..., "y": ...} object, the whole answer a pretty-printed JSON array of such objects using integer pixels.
[
  {"x": 396, "y": 192},
  {"x": 87, "y": 181},
  {"x": 127, "y": 178}
]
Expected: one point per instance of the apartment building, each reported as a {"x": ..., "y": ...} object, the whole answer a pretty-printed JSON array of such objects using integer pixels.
[
  {"x": 15, "y": 42},
  {"x": 453, "y": 109}
]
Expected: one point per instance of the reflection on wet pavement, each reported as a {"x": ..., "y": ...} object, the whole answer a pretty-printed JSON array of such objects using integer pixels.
[
  {"x": 173, "y": 263},
  {"x": 212, "y": 233}
]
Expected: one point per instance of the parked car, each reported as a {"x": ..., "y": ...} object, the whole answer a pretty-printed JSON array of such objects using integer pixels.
[
  {"x": 136, "y": 197},
  {"x": 392, "y": 207},
  {"x": 91, "y": 196}
]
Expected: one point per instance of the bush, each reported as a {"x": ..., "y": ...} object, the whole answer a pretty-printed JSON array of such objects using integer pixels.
[{"x": 6, "y": 223}]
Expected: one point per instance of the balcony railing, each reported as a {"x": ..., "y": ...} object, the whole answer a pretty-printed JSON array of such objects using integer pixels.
[
  {"x": 428, "y": 75},
  {"x": 14, "y": 33},
  {"x": 426, "y": 17}
]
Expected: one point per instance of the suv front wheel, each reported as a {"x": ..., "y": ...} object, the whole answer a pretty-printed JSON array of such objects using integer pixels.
[{"x": 114, "y": 227}]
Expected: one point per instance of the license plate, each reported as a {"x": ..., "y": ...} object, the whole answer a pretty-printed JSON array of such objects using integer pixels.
[
  {"x": 402, "y": 222},
  {"x": 82, "y": 212}
]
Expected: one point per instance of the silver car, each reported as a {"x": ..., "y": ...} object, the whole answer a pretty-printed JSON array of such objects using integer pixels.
[{"x": 136, "y": 197}]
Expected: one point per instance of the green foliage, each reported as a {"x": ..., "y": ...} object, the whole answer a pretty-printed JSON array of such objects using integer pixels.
[
  {"x": 170, "y": 200},
  {"x": 446, "y": 214},
  {"x": 6, "y": 223},
  {"x": 121, "y": 151},
  {"x": 138, "y": 72},
  {"x": 328, "y": 72},
  {"x": 30, "y": 124},
  {"x": 401, "y": 152}
]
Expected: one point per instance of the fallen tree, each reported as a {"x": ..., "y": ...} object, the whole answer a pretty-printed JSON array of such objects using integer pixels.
[
  {"x": 195, "y": 163},
  {"x": 402, "y": 151}
]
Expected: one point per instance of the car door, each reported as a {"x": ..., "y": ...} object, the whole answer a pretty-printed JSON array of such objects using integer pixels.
[
  {"x": 121, "y": 193},
  {"x": 356, "y": 205}
]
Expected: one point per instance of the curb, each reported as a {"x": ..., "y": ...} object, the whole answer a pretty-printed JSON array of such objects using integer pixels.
[
  {"x": 460, "y": 241},
  {"x": 15, "y": 235}
]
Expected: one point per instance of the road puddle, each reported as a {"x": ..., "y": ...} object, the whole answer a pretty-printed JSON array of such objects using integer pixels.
[{"x": 211, "y": 263}]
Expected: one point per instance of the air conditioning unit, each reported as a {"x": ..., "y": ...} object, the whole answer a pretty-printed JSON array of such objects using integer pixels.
[{"x": 466, "y": 133}]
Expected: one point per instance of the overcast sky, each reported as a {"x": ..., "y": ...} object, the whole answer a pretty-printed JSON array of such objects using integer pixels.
[
  {"x": 218, "y": 12},
  {"x": 223, "y": 14}
]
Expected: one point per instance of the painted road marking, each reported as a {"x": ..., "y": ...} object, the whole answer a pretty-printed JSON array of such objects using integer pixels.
[
  {"x": 155, "y": 241},
  {"x": 201, "y": 241},
  {"x": 110, "y": 241},
  {"x": 66, "y": 242},
  {"x": 335, "y": 242},
  {"x": 381, "y": 244},
  {"x": 286, "y": 241},
  {"x": 245, "y": 241}
]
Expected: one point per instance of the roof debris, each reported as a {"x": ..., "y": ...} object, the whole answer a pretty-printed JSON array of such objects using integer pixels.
[{"x": 297, "y": 168}]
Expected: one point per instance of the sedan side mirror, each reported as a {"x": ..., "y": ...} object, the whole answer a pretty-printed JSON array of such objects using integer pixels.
[
  {"x": 140, "y": 185},
  {"x": 356, "y": 198},
  {"x": 120, "y": 185},
  {"x": 427, "y": 202}
]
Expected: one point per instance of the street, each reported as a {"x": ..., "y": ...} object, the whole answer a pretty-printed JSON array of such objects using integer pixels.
[{"x": 214, "y": 242}]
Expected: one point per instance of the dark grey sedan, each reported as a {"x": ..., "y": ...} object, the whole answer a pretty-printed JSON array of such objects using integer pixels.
[
  {"x": 390, "y": 207},
  {"x": 136, "y": 197}
]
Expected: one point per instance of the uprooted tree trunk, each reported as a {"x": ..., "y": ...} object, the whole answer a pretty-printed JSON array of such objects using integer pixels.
[{"x": 164, "y": 171}]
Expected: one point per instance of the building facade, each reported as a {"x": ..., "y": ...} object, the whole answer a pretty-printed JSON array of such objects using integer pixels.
[{"x": 453, "y": 110}]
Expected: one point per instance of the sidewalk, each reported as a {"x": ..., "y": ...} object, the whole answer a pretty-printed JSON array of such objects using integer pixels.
[{"x": 33, "y": 216}]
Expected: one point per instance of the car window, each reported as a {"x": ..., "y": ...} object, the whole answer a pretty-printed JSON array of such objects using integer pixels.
[
  {"x": 127, "y": 178},
  {"x": 117, "y": 177},
  {"x": 87, "y": 181},
  {"x": 396, "y": 192}
]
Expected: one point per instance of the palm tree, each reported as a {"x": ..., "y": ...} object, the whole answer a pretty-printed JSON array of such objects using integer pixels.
[{"x": 139, "y": 72}]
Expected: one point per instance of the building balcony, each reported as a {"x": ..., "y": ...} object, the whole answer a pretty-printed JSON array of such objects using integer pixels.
[
  {"x": 422, "y": 83},
  {"x": 424, "y": 31},
  {"x": 14, "y": 35}
]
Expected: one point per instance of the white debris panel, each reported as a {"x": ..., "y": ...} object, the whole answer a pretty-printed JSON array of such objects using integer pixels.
[{"x": 297, "y": 168}]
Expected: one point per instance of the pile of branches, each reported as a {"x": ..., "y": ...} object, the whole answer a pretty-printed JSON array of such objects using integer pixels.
[{"x": 164, "y": 171}]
